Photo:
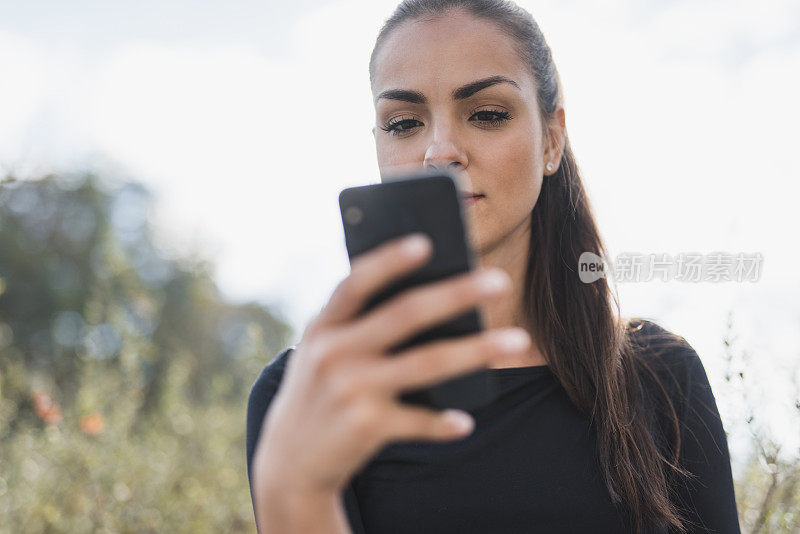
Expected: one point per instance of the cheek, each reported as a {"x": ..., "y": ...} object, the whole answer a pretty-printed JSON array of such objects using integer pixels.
[
  {"x": 391, "y": 153},
  {"x": 514, "y": 163}
]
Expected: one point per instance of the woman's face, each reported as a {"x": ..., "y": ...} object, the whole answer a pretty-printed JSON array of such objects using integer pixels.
[{"x": 453, "y": 92}]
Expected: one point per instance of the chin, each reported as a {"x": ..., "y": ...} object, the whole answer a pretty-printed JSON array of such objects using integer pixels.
[{"x": 476, "y": 244}]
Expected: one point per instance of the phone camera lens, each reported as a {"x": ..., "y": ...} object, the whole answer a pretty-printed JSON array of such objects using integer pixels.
[{"x": 353, "y": 215}]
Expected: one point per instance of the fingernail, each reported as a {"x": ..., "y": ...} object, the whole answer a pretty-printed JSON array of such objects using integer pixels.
[
  {"x": 415, "y": 244},
  {"x": 459, "y": 420},
  {"x": 513, "y": 340},
  {"x": 493, "y": 281}
]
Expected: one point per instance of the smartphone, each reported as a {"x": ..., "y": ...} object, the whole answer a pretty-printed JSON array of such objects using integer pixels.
[{"x": 425, "y": 201}]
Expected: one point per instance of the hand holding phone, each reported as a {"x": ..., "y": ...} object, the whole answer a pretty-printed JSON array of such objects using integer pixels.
[
  {"x": 342, "y": 382},
  {"x": 428, "y": 202}
]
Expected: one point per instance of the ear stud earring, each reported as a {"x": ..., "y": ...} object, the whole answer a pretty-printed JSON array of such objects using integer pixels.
[{"x": 549, "y": 166}]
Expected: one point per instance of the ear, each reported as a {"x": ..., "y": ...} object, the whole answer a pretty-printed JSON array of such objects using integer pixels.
[
  {"x": 373, "y": 132},
  {"x": 556, "y": 137}
]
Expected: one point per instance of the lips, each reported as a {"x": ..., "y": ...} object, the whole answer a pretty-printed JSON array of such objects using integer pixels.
[{"x": 470, "y": 200}]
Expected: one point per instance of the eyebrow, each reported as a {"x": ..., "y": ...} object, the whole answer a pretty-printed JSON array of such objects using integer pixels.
[{"x": 463, "y": 92}]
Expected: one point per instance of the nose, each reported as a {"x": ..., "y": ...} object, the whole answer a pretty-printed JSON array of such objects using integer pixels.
[{"x": 444, "y": 154}]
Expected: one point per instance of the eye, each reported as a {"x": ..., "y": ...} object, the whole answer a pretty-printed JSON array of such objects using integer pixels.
[
  {"x": 398, "y": 127},
  {"x": 491, "y": 117}
]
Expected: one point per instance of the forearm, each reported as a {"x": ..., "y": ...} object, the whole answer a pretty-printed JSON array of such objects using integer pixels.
[
  {"x": 284, "y": 506},
  {"x": 281, "y": 508},
  {"x": 280, "y": 513}
]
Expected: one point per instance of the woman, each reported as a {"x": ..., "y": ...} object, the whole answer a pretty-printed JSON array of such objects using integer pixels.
[{"x": 600, "y": 425}]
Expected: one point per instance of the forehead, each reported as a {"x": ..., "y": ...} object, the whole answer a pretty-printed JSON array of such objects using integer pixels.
[{"x": 444, "y": 52}]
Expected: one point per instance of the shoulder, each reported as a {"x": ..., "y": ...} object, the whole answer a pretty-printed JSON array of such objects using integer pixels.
[
  {"x": 261, "y": 394},
  {"x": 656, "y": 341},
  {"x": 670, "y": 368},
  {"x": 675, "y": 361},
  {"x": 666, "y": 355},
  {"x": 266, "y": 386},
  {"x": 271, "y": 375}
]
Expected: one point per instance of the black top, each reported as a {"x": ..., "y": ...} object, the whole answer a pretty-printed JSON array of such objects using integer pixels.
[{"x": 529, "y": 465}]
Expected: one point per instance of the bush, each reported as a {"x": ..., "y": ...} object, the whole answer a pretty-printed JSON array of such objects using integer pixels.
[{"x": 123, "y": 373}]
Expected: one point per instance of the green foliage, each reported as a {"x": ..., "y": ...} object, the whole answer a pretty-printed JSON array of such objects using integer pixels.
[{"x": 123, "y": 372}]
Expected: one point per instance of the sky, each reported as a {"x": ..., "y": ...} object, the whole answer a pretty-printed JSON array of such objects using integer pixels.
[{"x": 247, "y": 118}]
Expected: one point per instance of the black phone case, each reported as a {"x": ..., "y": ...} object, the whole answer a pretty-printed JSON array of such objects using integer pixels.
[{"x": 427, "y": 202}]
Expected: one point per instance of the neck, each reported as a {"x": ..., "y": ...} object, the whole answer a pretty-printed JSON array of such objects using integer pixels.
[{"x": 511, "y": 255}]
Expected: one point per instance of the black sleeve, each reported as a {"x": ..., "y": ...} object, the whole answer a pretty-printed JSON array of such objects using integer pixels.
[
  {"x": 261, "y": 394},
  {"x": 708, "y": 499}
]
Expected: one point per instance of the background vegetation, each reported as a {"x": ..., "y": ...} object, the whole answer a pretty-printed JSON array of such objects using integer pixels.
[
  {"x": 123, "y": 373},
  {"x": 124, "y": 376}
]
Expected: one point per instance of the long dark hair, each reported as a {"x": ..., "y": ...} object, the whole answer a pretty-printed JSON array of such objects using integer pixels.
[{"x": 596, "y": 355}]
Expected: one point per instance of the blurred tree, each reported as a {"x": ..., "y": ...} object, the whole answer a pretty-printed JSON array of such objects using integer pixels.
[
  {"x": 81, "y": 275},
  {"x": 123, "y": 372}
]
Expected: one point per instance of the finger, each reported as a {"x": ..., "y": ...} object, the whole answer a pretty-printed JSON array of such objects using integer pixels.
[
  {"x": 426, "y": 306},
  {"x": 434, "y": 362},
  {"x": 370, "y": 272},
  {"x": 418, "y": 423}
]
